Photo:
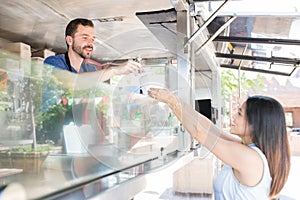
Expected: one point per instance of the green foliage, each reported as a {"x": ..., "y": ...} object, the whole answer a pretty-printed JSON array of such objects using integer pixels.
[
  {"x": 52, "y": 122},
  {"x": 230, "y": 83},
  {"x": 49, "y": 115},
  {"x": 28, "y": 148}
]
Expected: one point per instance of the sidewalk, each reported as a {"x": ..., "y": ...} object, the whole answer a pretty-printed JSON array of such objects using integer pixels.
[{"x": 291, "y": 189}]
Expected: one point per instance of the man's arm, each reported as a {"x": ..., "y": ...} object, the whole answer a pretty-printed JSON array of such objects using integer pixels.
[
  {"x": 88, "y": 80},
  {"x": 122, "y": 69}
]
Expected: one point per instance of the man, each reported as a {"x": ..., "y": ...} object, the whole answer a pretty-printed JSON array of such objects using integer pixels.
[{"x": 80, "y": 38}]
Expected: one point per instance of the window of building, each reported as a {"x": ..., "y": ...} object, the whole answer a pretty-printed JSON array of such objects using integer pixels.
[{"x": 289, "y": 119}]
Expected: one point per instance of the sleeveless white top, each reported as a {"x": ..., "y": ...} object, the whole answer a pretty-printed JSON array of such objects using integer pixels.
[{"x": 226, "y": 186}]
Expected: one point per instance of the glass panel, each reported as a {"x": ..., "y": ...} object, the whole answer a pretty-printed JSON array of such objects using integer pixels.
[{"x": 60, "y": 131}]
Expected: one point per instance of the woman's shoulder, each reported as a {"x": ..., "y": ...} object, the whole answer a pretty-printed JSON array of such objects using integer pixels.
[{"x": 257, "y": 149}]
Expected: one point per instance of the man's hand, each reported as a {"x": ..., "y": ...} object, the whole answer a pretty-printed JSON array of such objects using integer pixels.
[{"x": 128, "y": 67}]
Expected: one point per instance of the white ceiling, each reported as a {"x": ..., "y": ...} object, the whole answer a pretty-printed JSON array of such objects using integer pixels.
[
  {"x": 41, "y": 23},
  {"x": 120, "y": 33}
]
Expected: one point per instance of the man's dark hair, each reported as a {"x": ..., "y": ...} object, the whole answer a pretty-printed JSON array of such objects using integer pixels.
[{"x": 72, "y": 26}]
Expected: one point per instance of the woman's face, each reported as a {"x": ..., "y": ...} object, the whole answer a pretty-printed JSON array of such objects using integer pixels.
[{"x": 239, "y": 124}]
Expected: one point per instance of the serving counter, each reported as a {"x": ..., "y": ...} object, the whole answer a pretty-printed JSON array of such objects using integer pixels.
[{"x": 64, "y": 137}]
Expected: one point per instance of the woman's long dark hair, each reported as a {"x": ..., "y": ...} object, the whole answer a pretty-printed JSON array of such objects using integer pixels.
[{"x": 267, "y": 118}]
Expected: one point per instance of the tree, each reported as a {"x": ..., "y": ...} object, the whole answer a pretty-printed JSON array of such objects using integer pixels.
[{"x": 235, "y": 85}]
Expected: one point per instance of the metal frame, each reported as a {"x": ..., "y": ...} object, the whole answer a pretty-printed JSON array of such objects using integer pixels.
[
  {"x": 256, "y": 70},
  {"x": 223, "y": 27},
  {"x": 256, "y": 40},
  {"x": 206, "y": 23},
  {"x": 294, "y": 62},
  {"x": 281, "y": 60},
  {"x": 245, "y": 40}
]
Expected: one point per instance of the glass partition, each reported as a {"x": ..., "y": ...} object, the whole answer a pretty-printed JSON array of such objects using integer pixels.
[{"x": 61, "y": 132}]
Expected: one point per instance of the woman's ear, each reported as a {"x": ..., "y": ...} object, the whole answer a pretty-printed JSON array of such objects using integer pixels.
[{"x": 69, "y": 40}]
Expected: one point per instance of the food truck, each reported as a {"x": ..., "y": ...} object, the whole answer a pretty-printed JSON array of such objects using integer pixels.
[{"x": 99, "y": 140}]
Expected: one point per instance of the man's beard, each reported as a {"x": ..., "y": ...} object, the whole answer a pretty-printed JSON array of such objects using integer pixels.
[{"x": 79, "y": 50}]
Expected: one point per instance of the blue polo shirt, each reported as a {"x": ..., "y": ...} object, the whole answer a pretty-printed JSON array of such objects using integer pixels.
[{"x": 61, "y": 62}]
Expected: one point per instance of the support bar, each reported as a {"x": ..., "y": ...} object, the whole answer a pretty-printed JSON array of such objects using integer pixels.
[
  {"x": 228, "y": 22},
  {"x": 254, "y": 70},
  {"x": 206, "y": 23},
  {"x": 256, "y": 40},
  {"x": 289, "y": 61}
]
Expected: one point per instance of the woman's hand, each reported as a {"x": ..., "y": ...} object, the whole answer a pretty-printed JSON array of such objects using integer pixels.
[{"x": 163, "y": 95}]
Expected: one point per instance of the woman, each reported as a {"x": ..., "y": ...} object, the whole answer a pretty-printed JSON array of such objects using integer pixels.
[{"x": 257, "y": 162}]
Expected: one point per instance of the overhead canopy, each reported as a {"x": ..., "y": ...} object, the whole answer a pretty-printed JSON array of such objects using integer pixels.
[
  {"x": 262, "y": 40},
  {"x": 269, "y": 36}
]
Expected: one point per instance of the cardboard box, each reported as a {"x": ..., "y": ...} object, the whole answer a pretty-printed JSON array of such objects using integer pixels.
[
  {"x": 19, "y": 48},
  {"x": 44, "y": 53},
  {"x": 195, "y": 177}
]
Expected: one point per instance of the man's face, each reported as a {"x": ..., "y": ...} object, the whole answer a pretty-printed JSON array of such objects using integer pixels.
[{"x": 83, "y": 41}]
